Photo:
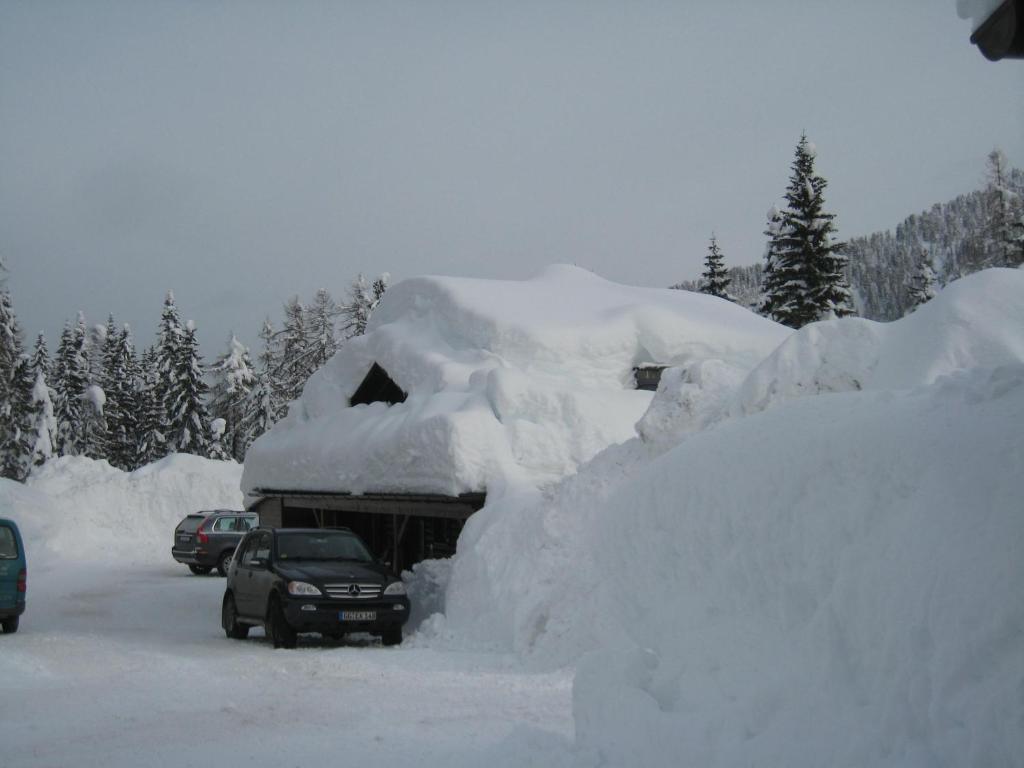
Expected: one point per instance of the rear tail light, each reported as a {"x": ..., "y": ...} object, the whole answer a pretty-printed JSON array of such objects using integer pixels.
[
  {"x": 201, "y": 536},
  {"x": 22, "y": 580}
]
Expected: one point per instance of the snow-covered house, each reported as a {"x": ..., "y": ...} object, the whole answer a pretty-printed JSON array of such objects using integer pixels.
[{"x": 463, "y": 387}]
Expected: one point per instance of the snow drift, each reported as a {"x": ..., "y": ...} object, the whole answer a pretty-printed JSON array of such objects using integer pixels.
[
  {"x": 829, "y": 574},
  {"x": 82, "y": 509},
  {"x": 509, "y": 383}
]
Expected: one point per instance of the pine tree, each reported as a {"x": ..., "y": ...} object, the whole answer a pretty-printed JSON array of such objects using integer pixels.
[
  {"x": 262, "y": 408},
  {"x": 44, "y": 417},
  {"x": 233, "y": 380},
  {"x": 1005, "y": 213},
  {"x": 168, "y": 342},
  {"x": 44, "y": 425},
  {"x": 71, "y": 380},
  {"x": 124, "y": 404},
  {"x": 322, "y": 336},
  {"x": 363, "y": 300},
  {"x": 771, "y": 286},
  {"x": 807, "y": 281},
  {"x": 715, "y": 278},
  {"x": 41, "y": 357},
  {"x": 94, "y": 422},
  {"x": 216, "y": 448},
  {"x": 925, "y": 283},
  {"x": 188, "y": 430},
  {"x": 294, "y": 363},
  {"x": 15, "y": 396},
  {"x": 151, "y": 442},
  {"x": 16, "y": 438}
]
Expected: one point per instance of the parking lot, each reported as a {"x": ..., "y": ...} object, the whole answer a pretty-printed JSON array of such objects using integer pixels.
[{"x": 128, "y": 666}]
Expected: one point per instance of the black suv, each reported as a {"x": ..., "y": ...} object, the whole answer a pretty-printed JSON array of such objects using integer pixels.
[
  {"x": 293, "y": 580},
  {"x": 207, "y": 540}
]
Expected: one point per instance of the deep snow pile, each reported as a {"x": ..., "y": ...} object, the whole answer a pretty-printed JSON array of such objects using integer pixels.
[
  {"x": 79, "y": 508},
  {"x": 510, "y": 383},
  {"x": 821, "y": 577}
]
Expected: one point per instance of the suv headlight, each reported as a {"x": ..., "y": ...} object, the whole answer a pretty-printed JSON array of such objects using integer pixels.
[
  {"x": 302, "y": 588},
  {"x": 395, "y": 588}
]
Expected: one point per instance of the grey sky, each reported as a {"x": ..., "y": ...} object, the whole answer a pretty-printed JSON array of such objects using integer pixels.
[{"x": 243, "y": 152}]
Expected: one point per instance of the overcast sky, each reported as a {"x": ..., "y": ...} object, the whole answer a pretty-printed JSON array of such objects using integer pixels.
[{"x": 240, "y": 153}]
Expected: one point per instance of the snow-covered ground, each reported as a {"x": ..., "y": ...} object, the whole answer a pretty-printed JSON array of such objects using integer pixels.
[
  {"x": 816, "y": 562},
  {"x": 129, "y": 666},
  {"x": 120, "y": 659}
]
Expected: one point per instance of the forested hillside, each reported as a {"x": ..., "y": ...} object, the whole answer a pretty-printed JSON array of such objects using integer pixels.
[{"x": 959, "y": 237}]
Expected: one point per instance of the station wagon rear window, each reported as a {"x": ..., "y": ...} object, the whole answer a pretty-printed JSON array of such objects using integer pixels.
[
  {"x": 8, "y": 544},
  {"x": 191, "y": 523}
]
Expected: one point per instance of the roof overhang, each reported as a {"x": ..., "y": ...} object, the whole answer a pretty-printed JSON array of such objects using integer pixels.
[
  {"x": 1001, "y": 35},
  {"x": 422, "y": 505}
]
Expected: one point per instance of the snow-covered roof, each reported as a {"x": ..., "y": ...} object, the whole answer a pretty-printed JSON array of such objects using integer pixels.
[{"x": 506, "y": 382}]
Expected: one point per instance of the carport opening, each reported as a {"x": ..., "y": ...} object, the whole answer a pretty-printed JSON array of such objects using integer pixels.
[
  {"x": 401, "y": 540},
  {"x": 399, "y": 528}
]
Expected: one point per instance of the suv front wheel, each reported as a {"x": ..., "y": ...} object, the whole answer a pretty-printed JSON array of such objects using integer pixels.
[{"x": 281, "y": 633}]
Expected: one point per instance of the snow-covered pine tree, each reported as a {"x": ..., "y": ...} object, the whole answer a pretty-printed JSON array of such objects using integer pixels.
[
  {"x": 189, "y": 428},
  {"x": 322, "y": 323},
  {"x": 41, "y": 357},
  {"x": 715, "y": 278},
  {"x": 44, "y": 425},
  {"x": 808, "y": 281},
  {"x": 771, "y": 286},
  {"x": 216, "y": 449},
  {"x": 363, "y": 299},
  {"x": 16, "y": 438},
  {"x": 124, "y": 404},
  {"x": 95, "y": 398},
  {"x": 925, "y": 284},
  {"x": 1004, "y": 211},
  {"x": 233, "y": 380},
  {"x": 71, "y": 379},
  {"x": 44, "y": 416},
  {"x": 294, "y": 363},
  {"x": 151, "y": 441},
  {"x": 262, "y": 406},
  {"x": 168, "y": 341},
  {"x": 15, "y": 396}
]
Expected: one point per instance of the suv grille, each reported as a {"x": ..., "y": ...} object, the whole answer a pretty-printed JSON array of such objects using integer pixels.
[{"x": 353, "y": 591}]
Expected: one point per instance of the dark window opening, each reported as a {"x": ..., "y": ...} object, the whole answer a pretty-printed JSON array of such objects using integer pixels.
[
  {"x": 648, "y": 377},
  {"x": 377, "y": 387}
]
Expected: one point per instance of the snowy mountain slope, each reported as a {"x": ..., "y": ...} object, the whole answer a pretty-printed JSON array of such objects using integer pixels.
[
  {"x": 509, "y": 383},
  {"x": 832, "y": 581},
  {"x": 78, "y": 508}
]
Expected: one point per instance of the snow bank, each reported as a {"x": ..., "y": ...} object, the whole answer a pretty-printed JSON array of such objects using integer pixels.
[
  {"x": 82, "y": 509},
  {"x": 976, "y": 323},
  {"x": 509, "y": 383},
  {"x": 817, "y": 580}
]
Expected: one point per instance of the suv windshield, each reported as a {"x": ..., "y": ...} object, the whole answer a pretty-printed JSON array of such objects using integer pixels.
[
  {"x": 8, "y": 544},
  {"x": 329, "y": 545}
]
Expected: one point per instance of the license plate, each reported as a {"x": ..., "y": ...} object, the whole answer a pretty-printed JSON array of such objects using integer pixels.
[{"x": 357, "y": 615}]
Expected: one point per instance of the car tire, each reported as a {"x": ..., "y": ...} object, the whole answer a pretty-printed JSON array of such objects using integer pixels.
[
  {"x": 11, "y": 625},
  {"x": 224, "y": 562},
  {"x": 392, "y": 637},
  {"x": 199, "y": 570},
  {"x": 229, "y": 619},
  {"x": 280, "y": 631}
]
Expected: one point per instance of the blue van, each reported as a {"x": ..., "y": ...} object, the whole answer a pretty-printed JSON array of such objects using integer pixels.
[{"x": 13, "y": 575}]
